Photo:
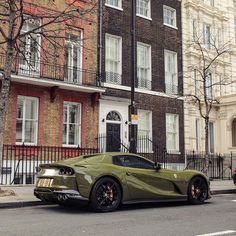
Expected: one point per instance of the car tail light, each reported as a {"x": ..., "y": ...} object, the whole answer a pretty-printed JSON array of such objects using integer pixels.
[{"x": 66, "y": 171}]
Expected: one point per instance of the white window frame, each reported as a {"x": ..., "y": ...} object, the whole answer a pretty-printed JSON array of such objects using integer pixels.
[
  {"x": 117, "y": 80},
  {"x": 171, "y": 86},
  {"x": 67, "y": 104},
  {"x": 235, "y": 29},
  {"x": 70, "y": 63},
  {"x": 148, "y": 147},
  {"x": 118, "y": 7},
  {"x": 208, "y": 84},
  {"x": 233, "y": 128},
  {"x": 198, "y": 134},
  {"x": 222, "y": 87},
  {"x": 195, "y": 82},
  {"x": 218, "y": 37},
  {"x": 211, "y": 136},
  {"x": 194, "y": 27},
  {"x": 27, "y": 68},
  {"x": 207, "y": 35},
  {"x": 148, "y": 68},
  {"x": 36, "y": 100},
  {"x": 138, "y": 13},
  {"x": 166, "y": 20},
  {"x": 210, "y": 2},
  {"x": 175, "y": 132}
]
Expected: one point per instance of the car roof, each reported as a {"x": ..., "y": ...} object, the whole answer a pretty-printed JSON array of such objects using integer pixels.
[{"x": 110, "y": 154}]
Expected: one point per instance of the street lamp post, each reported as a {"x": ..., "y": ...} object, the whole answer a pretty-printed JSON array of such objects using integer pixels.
[{"x": 133, "y": 126}]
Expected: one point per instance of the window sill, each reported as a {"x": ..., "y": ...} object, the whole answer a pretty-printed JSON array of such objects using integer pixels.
[
  {"x": 145, "y": 151},
  {"x": 26, "y": 144},
  {"x": 144, "y": 88},
  {"x": 171, "y": 26},
  {"x": 113, "y": 83},
  {"x": 173, "y": 152},
  {"x": 114, "y": 7},
  {"x": 144, "y": 17},
  {"x": 70, "y": 146}
]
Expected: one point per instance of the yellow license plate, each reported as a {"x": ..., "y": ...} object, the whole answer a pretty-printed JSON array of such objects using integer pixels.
[{"x": 46, "y": 183}]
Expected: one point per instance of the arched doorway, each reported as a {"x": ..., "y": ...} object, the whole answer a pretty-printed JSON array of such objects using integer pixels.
[{"x": 113, "y": 125}]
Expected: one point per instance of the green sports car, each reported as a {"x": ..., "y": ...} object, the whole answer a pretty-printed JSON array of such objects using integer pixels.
[{"x": 106, "y": 180}]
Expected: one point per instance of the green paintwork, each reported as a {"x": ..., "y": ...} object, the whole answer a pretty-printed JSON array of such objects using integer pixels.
[{"x": 137, "y": 184}]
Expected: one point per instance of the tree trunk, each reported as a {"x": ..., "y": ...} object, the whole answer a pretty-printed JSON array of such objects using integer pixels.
[
  {"x": 6, "y": 81},
  {"x": 4, "y": 95}
]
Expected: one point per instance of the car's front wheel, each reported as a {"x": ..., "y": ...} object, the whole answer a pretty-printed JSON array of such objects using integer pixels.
[
  {"x": 197, "y": 190},
  {"x": 106, "y": 195}
]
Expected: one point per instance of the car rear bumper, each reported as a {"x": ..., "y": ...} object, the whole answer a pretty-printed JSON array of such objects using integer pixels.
[{"x": 53, "y": 195}]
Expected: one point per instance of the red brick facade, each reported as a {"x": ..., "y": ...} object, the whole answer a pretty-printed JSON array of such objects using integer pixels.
[
  {"x": 50, "y": 106},
  {"x": 50, "y": 119}
]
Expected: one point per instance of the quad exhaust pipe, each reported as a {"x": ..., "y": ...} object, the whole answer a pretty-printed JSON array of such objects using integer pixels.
[
  {"x": 62, "y": 197},
  {"x": 65, "y": 197}
]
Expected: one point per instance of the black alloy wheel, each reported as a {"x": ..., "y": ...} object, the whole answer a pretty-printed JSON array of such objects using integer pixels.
[
  {"x": 197, "y": 190},
  {"x": 106, "y": 195}
]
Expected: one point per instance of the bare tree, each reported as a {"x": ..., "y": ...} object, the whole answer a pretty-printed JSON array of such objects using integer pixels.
[
  {"x": 207, "y": 79},
  {"x": 48, "y": 19}
]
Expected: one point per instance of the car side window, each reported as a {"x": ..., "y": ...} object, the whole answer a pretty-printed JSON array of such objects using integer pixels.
[
  {"x": 132, "y": 161},
  {"x": 117, "y": 160}
]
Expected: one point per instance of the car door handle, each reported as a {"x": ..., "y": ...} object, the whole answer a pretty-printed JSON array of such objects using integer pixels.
[{"x": 128, "y": 174}]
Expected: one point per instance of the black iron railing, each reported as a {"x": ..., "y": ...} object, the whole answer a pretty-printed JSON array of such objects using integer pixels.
[
  {"x": 20, "y": 163},
  {"x": 146, "y": 148},
  {"x": 144, "y": 83},
  {"x": 220, "y": 165},
  {"x": 171, "y": 89},
  {"x": 53, "y": 71},
  {"x": 118, "y": 144},
  {"x": 113, "y": 78}
]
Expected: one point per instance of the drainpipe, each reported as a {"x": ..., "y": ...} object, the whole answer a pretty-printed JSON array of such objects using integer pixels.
[
  {"x": 100, "y": 32},
  {"x": 133, "y": 127}
]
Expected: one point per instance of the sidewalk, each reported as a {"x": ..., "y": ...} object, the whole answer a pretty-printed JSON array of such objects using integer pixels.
[
  {"x": 24, "y": 193},
  {"x": 222, "y": 187},
  {"x": 24, "y": 196}
]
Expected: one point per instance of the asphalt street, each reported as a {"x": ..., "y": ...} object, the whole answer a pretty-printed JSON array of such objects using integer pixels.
[{"x": 216, "y": 217}]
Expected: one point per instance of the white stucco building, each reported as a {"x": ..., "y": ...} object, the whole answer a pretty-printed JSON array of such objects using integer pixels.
[{"x": 212, "y": 25}]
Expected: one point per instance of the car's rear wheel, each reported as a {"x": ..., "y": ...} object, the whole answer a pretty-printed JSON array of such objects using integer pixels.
[
  {"x": 106, "y": 195},
  {"x": 197, "y": 190}
]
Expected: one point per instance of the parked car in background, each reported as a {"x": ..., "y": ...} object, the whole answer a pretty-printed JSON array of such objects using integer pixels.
[
  {"x": 234, "y": 175},
  {"x": 106, "y": 180}
]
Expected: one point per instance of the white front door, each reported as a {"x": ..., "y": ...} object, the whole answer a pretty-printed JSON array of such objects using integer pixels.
[{"x": 113, "y": 121}]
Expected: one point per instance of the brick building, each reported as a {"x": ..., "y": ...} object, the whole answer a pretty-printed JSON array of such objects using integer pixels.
[
  {"x": 54, "y": 95},
  {"x": 159, "y": 74}
]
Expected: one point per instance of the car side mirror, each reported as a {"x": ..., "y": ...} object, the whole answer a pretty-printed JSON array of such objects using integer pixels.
[{"x": 157, "y": 166}]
